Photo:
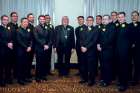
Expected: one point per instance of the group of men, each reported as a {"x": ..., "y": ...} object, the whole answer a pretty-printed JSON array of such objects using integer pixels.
[
  {"x": 110, "y": 48},
  {"x": 19, "y": 44}
]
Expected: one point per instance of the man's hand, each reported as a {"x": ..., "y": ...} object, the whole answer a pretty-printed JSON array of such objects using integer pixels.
[
  {"x": 83, "y": 49},
  {"x": 99, "y": 47},
  {"x": 54, "y": 50},
  {"x": 133, "y": 45},
  {"x": 29, "y": 49},
  {"x": 72, "y": 51},
  {"x": 10, "y": 45},
  {"x": 46, "y": 47}
]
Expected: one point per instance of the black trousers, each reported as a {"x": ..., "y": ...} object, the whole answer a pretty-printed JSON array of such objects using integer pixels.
[
  {"x": 29, "y": 68},
  {"x": 2, "y": 72},
  {"x": 6, "y": 64},
  {"x": 2, "y": 65},
  {"x": 10, "y": 60},
  {"x": 123, "y": 66},
  {"x": 42, "y": 60},
  {"x": 135, "y": 64},
  {"x": 88, "y": 66},
  {"x": 114, "y": 65},
  {"x": 49, "y": 60},
  {"x": 14, "y": 59},
  {"x": 78, "y": 52},
  {"x": 64, "y": 55},
  {"x": 22, "y": 63},
  {"x": 106, "y": 65}
]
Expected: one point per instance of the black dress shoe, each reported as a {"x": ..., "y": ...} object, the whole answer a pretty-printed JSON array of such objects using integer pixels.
[
  {"x": 28, "y": 80},
  {"x": 21, "y": 82},
  {"x": 133, "y": 83},
  {"x": 103, "y": 84},
  {"x": 2, "y": 84},
  {"x": 38, "y": 80},
  {"x": 77, "y": 74},
  {"x": 44, "y": 78},
  {"x": 82, "y": 81},
  {"x": 9, "y": 82},
  {"x": 67, "y": 76},
  {"x": 91, "y": 83},
  {"x": 122, "y": 88},
  {"x": 51, "y": 74}
]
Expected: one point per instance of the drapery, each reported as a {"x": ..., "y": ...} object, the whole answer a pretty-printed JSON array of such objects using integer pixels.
[
  {"x": 95, "y": 7},
  {"x": 23, "y": 7}
]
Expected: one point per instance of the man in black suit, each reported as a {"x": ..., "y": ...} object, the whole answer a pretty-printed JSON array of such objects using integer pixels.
[
  {"x": 77, "y": 33},
  {"x": 122, "y": 52},
  {"x": 6, "y": 48},
  {"x": 98, "y": 21},
  {"x": 30, "y": 18},
  {"x": 134, "y": 29},
  {"x": 64, "y": 45},
  {"x": 14, "y": 26},
  {"x": 50, "y": 27},
  {"x": 24, "y": 47},
  {"x": 42, "y": 44},
  {"x": 105, "y": 46},
  {"x": 98, "y": 25},
  {"x": 88, "y": 43},
  {"x": 114, "y": 19},
  {"x": 115, "y": 22}
]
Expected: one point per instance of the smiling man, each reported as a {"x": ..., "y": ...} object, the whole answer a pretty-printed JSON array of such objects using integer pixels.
[{"x": 64, "y": 45}]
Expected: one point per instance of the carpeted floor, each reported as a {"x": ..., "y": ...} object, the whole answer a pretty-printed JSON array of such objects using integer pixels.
[{"x": 69, "y": 84}]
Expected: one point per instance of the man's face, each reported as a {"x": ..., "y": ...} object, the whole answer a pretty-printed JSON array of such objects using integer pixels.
[
  {"x": 25, "y": 23},
  {"x": 90, "y": 21},
  {"x": 98, "y": 20},
  {"x": 65, "y": 21},
  {"x": 121, "y": 18},
  {"x": 31, "y": 18},
  {"x": 80, "y": 21},
  {"x": 135, "y": 17},
  {"x": 106, "y": 20},
  {"x": 14, "y": 18},
  {"x": 42, "y": 20},
  {"x": 5, "y": 21},
  {"x": 48, "y": 19},
  {"x": 113, "y": 16}
]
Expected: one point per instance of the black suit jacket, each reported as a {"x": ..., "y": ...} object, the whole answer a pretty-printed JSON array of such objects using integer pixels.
[
  {"x": 77, "y": 33},
  {"x": 64, "y": 37},
  {"x": 24, "y": 38},
  {"x": 134, "y": 33},
  {"x": 89, "y": 38},
  {"x": 107, "y": 36},
  {"x": 42, "y": 37}
]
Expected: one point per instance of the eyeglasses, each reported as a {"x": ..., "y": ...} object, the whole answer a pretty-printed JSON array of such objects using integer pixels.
[{"x": 14, "y": 16}]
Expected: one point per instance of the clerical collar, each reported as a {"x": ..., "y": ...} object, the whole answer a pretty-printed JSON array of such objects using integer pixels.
[
  {"x": 23, "y": 28},
  {"x": 105, "y": 24},
  {"x": 123, "y": 23},
  {"x": 114, "y": 21},
  {"x": 81, "y": 24},
  {"x": 4, "y": 25},
  {"x": 47, "y": 23},
  {"x": 135, "y": 22},
  {"x": 89, "y": 25},
  {"x": 65, "y": 26},
  {"x": 15, "y": 23},
  {"x": 99, "y": 24},
  {"x": 31, "y": 23},
  {"x": 42, "y": 25}
]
